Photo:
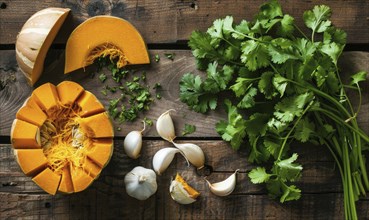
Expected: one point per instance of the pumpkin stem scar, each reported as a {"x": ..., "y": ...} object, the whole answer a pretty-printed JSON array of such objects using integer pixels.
[{"x": 105, "y": 50}]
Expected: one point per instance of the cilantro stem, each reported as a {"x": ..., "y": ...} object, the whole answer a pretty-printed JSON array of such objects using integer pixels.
[
  {"x": 292, "y": 129},
  {"x": 301, "y": 32}
]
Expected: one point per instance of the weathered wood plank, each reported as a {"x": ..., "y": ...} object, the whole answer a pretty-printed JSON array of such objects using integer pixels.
[
  {"x": 166, "y": 72},
  {"x": 172, "y": 21},
  {"x": 106, "y": 198}
]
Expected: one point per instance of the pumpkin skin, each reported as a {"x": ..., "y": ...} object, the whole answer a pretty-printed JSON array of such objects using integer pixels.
[
  {"x": 35, "y": 39},
  {"x": 66, "y": 151},
  {"x": 105, "y": 36}
]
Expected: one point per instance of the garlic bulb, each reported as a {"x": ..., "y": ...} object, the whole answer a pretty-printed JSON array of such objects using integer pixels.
[
  {"x": 181, "y": 192},
  {"x": 133, "y": 143},
  {"x": 225, "y": 187},
  {"x": 163, "y": 158},
  {"x": 165, "y": 126},
  {"x": 140, "y": 183},
  {"x": 193, "y": 153}
]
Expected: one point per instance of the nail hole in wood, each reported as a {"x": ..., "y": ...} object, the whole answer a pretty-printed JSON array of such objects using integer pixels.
[
  {"x": 47, "y": 205},
  {"x": 3, "y": 5}
]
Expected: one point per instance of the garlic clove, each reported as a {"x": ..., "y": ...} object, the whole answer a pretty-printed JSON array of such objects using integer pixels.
[
  {"x": 163, "y": 158},
  {"x": 133, "y": 143},
  {"x": 193, "y": 153},
  {"x": 225, "y": 187},
  {"x": 165, "y": 126},
  {"x": 140, "y": 183},
  {"x": 181, "y": 192}
]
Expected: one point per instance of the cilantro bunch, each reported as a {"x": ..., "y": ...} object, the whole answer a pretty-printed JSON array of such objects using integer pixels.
[{"x": 284, "y": 88}]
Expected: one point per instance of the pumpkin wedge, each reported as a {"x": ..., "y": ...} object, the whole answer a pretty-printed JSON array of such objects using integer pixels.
[
  {"x": 31, "y": 161},
  {"x": 35, "y": 38},
  {"x": 105, "y": 36},
  {"x": 55, "y": 143}
]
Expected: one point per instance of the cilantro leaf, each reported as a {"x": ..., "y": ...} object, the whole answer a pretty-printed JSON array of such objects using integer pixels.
[
  {"x": 217, "y": 80},
  {"x": 358, "y": 77},
  {"x": 254, "y": 55},
  {"x": 192, "y": 93},
  {"x": 248, "y": 99},
  {"x": 286, "y": 26},
  {"x": 188, "y": 129},
  {"x": 281, "y": 50},
  {"x": 304, "y": 130},
  {"x": 259, "y": 175},
  {"x": 290, "y": 193},
  {"x": 317, "y": 19},
  {"x": 241, "y": 30},
  {"x": 234, "y": 130},
  {"x": 292, "y": 106},
  {"x": 201, "y": 47},
  {"x": 265, "y": 85},
  {"x": 333, "y": 50},
  {"x": 280, "y": 83},
  {"x": 287, "y": 169}
]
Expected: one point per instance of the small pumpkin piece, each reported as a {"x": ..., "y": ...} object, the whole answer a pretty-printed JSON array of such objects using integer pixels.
[
  {"x": 25, "y": 135},
  {"x": 99, "y": 36},
  {"x": 31, "y": 161},
  {"x": 81, "y": 180},
  {"x": 46, "y": 96},
  {"x": 191, "y": 191},
  {"x": 91, "y": 168},
  {"x": 66, "y": 184},
  {"x": 68, "y": 92},
  {"x": 31, "y": 114},
  {"x": 48, "y": 181},
  {"x": 101, "y": 151},
  {"x": 97, "y": 126},
  {"x": 89, "y": 104}
]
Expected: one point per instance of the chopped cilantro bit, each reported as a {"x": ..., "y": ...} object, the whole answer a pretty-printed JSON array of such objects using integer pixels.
[
  {"x": 170, "y": 56},
  {"x": 157, "y": 58},
  {"x": 188, "y": 129},
  {"x": 102, "y": 77}
]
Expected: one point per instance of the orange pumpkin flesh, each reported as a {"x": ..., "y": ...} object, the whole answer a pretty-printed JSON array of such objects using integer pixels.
[
  {"x": 71, "y": 148},
  {"x": 105, "y": 36}
]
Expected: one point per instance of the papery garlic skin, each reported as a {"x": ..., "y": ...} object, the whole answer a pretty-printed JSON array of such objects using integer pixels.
[
  {"x": 193, "y": 153},
  {"x": 165, "y": 126},
  {"x": 225, "y": 187},
  {"x": 140, "y": 183},
  {"x": 179, "y": 194},
  {"x": 163, "y": 158},
  {"x": 133, "y": 144}
]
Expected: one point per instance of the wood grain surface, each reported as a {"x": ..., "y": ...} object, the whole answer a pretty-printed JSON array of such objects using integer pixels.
[
  {"x": 173, "y": 21},
  {"x": 166, "y": 26},
  {"x": 106, "y": 197}
]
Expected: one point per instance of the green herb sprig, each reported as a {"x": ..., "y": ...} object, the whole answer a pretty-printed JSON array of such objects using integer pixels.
[{"x": 286, "y": 89}]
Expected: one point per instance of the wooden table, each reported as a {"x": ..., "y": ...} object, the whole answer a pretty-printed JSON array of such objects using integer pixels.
[{"x": 166, "y": 25}]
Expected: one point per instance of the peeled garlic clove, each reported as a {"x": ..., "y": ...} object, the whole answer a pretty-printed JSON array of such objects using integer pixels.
[
  {"x": 181, "y": 192},
  {"x": 225, "y": 187},
  {"x": 165, "y": 126},
  {"x": 133, "y": 143},
  {"x": 163, "y": 158},
  {"x": 193, "y": 153}
]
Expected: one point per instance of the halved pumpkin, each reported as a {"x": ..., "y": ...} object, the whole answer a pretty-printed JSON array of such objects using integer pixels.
[
  {"x": 64, "y": 146},
  {"x": 35, "y": 38},
  {"x": 105, "y": 36}
]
